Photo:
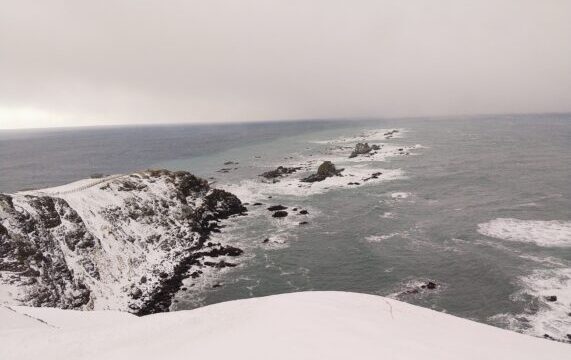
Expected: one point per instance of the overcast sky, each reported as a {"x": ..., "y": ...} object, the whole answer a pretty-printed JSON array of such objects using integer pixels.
[{"x": 72, "y": 63}]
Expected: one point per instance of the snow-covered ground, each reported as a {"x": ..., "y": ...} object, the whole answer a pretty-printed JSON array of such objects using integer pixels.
[{"x": 310, "y": 325}]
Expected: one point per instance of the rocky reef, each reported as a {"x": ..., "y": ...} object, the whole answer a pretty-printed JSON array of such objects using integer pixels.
[
  {"x": 123, "y": 244},
  {"x": 280, "y": 171},
  {"x": 325, "y": 170},
  {"x": 363, "y": 148}
]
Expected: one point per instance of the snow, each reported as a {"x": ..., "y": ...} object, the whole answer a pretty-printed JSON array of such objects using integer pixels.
[
  {"x": 553, "y": 233},
  {"x": 310, "y": 325}
]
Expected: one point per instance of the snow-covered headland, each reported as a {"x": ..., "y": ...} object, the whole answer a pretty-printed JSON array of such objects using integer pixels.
[
  {"x": 119, "y": 243},
  {"x": 310, "y": 325}
]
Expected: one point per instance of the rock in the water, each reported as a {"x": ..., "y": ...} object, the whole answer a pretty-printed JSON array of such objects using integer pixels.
[
  {"x": 279, "y": 172},
  {"x": 360, "y": 149},
  {"x": 279, "y": 214},
  {"x": 551, "y": 298},
  {"x": 304, "y": 212},
  {"x": 325, "y": 170},
  {"x": 277, "y": 207}
]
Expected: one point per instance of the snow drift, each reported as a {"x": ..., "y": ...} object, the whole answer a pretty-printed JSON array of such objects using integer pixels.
[{"x": 310, "y": 325}]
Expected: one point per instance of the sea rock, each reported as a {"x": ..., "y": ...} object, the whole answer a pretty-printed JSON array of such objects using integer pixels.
[
  {"x": 280, "y": 171},
  {"x": 325, "y": 170},
  {"x": 279, "y": 214},
  {"x": 277, "y": 207},
  {"x": 360, "y": 149},
  {"x": 551, "y": 298}
]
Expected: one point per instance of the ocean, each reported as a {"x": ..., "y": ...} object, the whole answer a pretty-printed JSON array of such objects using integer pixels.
[{"x": 478, "y": 206}]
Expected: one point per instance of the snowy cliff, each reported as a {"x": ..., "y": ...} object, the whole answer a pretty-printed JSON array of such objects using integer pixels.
[{"x": 122, "y": 242}]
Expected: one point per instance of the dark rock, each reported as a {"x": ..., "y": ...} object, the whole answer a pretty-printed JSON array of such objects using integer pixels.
[
  {"x": 373, "y": 176},
  {"x": 217, "y": 285},
  {"x": 3, "y": 230},
  {"x": 143, "y": 279},
  {"x": 279, "y": 214},
  {"x": 303, "y": 223},
  {"x": 219, "y": 265},
  {"x": 136, "y": 293},
  {"x": 277, "y": 207},
  {"x": 266, "y": 240},
  {"x": 360, "y": 149},
  {"x": 279, "y": 172},
  {"x": 257, "y": 204},
  {"x": 325, "y": 170},
  {"x": 551, "y": 298},
  {"x": 304, "y": 212},
  {"x": 430, "y": 285},
  {"x": 230, "y": 251}
]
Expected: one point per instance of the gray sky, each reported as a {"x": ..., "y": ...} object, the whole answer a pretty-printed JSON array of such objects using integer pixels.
[{"x": 78, "y": 62}]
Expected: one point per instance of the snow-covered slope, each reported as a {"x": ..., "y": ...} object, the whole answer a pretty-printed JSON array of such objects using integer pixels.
[
  {"x": 310, "y": 325},
  {"x": 122, "y": 242}
]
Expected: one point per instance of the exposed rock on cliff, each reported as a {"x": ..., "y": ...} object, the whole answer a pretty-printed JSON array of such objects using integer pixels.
[{"x": 90, "y": 247}]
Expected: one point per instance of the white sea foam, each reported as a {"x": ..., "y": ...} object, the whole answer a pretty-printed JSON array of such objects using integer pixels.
[
  {"x": 254, "y": 190},
  {"x": 366, "y": 135},
  {"x": 553, "y": 233},
  {"x": 380, "y": 238},
  {"x": 400, "y": 195},
  {"x": 358, "y": 171},
  {"x": 543, "y": 317}
]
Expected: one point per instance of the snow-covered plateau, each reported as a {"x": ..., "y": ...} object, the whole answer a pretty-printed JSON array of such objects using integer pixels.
[
  {"x": 307, "y": 325},
  {"x": 124, "y": 242}
]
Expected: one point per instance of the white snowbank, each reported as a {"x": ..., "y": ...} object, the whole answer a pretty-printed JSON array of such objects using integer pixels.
[
  {"x": 543, "y": 233},
  {"x": 310, "y": 325}
]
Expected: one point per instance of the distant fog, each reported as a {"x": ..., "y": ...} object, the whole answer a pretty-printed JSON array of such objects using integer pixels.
[{"x": 92, "y": 62}]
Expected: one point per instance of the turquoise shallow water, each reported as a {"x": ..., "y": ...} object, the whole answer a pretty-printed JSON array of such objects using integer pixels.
[{"x": 387, "y": 237}]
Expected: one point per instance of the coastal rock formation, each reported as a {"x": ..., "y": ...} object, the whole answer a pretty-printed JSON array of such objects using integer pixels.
[
  {"x": 279, "y": 172},
  {"x": 325, "y": 170},
  {"x": 277, "y": 207},
  {"x": 363, "y": 148},
  {"x": 123, "y": 244}
]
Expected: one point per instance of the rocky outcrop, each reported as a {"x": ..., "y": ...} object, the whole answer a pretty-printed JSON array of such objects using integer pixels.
[
  {"x": 277, "y": 207},
  {"x": 325, "y": 170},
  {"x": 91, "y": 249},
  {"x": 363, "y": 148},
  {"x": 280, "y": 171}
]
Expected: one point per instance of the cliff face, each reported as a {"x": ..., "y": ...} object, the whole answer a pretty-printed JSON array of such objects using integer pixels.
[{"x": 124, "y": 243}]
